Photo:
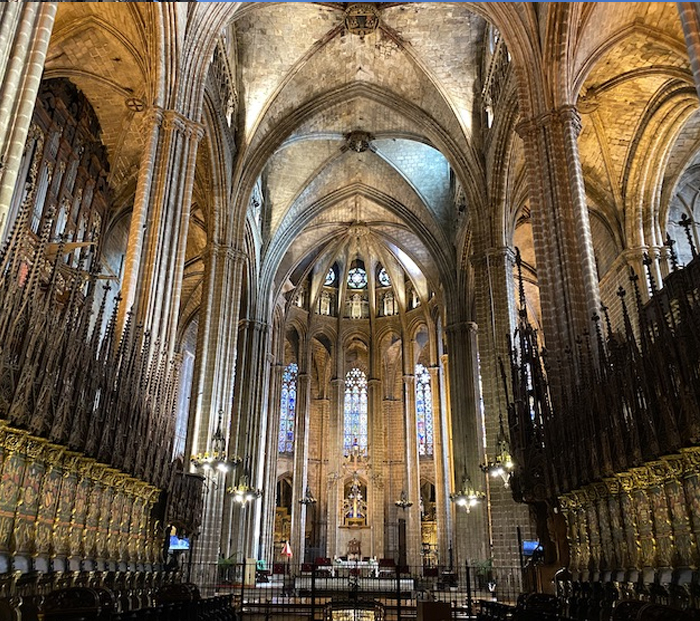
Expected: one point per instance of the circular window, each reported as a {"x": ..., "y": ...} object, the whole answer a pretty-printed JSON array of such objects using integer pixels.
[
  {"x": 330, "y": 277},
  {"x": 357, "y": 278},
  {"x": 383, "y": 278}
]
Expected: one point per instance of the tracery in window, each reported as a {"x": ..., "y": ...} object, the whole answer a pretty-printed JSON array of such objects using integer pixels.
[
  {"x": 355, "y": 412},
  {"x": 383, "y": 278},
  {"x": 357, "y": 278},
  {"x": 330, "y": 278},
  {"x": 424, "y": 411},
  {"x": 288, "y": 409}
]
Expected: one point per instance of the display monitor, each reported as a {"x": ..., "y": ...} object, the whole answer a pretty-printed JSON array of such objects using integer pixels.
[
  {"x": 530, "y": 547},
  {"x": 176, "y": 543}
]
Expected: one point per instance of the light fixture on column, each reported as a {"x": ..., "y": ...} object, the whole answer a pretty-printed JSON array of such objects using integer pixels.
[
  {"x": 467, "y": 496},
  {"x": 502, "y": 466},
  {"x": 242, "y": 492},
  {"x": 308, "y": 498},
  {"x": 215, "y": 457},
  {"x": 403, "y": 502}
]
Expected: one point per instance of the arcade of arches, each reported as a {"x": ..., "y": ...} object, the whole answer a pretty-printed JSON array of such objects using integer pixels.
[{"x": 290, "y": 229}]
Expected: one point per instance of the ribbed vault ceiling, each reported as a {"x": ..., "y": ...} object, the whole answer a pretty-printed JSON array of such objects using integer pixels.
[{"x": 369, "y": 159}]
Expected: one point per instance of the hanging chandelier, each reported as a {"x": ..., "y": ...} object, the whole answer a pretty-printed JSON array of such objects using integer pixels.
[
  {"x": 502, "y": 465},
  {"x": 308, "y": 498},
  {"x": 216, "y": 455},
  {"x": 467, "y": 496},
  {"x": 403, "y": 502},
  {"x": 243, "y": 493}
]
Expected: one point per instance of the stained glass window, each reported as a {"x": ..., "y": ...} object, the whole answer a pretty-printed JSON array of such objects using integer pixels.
[
  {"x": 424, "y": 411},
  {"x": 355, "y": 417},
  {"x": 357, "y": 278},
  {"x": 288, "y": 407},
  {"x": 383, "y": 278},
  {"x": 330, "y": 278}
]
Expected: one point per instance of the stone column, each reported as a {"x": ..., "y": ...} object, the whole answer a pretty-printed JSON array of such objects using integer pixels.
[
  {"x": 155, "y": 254},
  {"x": 268, "y": 500},
  {"x": 318, "y": 477},
  {"x": 442, "y": 497},
  {"x": 377, "y": 458},
  {"x": 495, "y": 312},
  {"x": 447, "y": 483},
  {"x": 335, "y": 463},
  {"x": 301, "y": 458},
  {"x": 25, "y": 30},
  {"x": 412, "y": 474},
  {"x": 249, "y": 428},
  {"x": 566, "y": 270},
  {"x": 471, "y": 537},
  {"x": 212, "y": 387},
  {"x": 690, "y": 21}
]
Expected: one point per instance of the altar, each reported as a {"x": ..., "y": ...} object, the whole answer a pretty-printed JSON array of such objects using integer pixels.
[
  {"x": 367, "y": 568},
  {"x": 305, "y": 584}
]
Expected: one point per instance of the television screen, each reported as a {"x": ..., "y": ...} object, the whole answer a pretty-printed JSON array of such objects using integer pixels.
[
  {"x": 529, "y": 547},
  {"x": 179, "y": 544}
]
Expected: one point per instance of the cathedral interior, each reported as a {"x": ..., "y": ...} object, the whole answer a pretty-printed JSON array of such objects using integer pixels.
[{"x": 354, "y": 291}]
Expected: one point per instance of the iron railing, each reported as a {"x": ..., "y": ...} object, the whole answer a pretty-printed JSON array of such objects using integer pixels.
[{"x": 321, "y": 591}]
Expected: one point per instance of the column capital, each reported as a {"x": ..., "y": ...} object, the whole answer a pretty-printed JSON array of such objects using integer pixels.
[
  {"x": 409, "y": 378},
  {"x": 567, "y": 114},
  {"x": 173, "y": 120},
  {"x": 462, "y": 326},
  {"x": 634, "y": 254},
  {"x": 254, "y": 324},
  {"x": 217, "y": 249},
  {"x": 500, "y": 253}
]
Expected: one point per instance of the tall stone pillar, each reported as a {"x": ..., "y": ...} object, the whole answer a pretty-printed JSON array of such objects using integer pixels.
[
  {"x": 566, "y": 270},
  {"x": 442, "y": 498},
  {"x": 377, "y": 458},
  {"x": 212, "y": 390},
  {"x": 470, "y": 529},
  {"x": 301, "y": 459},
  {"x": 318, "y": 474},
  {"x": 268, "y": 500},
  {"x": 412, "y": 513},
  {"x": 335, "y": 466},
  {"x": 155, "y": 254},
  {"x": 249, "y": 428},
  {"x": 25, "y": 30},
  {"x": 448, "y": 481},
  {"x": 495, "y": 312},
  {"x": 690, "y": 21}
]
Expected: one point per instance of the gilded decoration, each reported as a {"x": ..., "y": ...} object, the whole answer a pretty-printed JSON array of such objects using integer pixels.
[
  {"x": 57, "y": 503},
  {"x": 642, "y": 518}
]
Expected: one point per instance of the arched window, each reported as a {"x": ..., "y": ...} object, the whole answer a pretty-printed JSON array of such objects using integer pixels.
[
  {"x": 288, "y": 408},
  {"x": 424, "y": 411},
  {"x": 355, "y": 417}
]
